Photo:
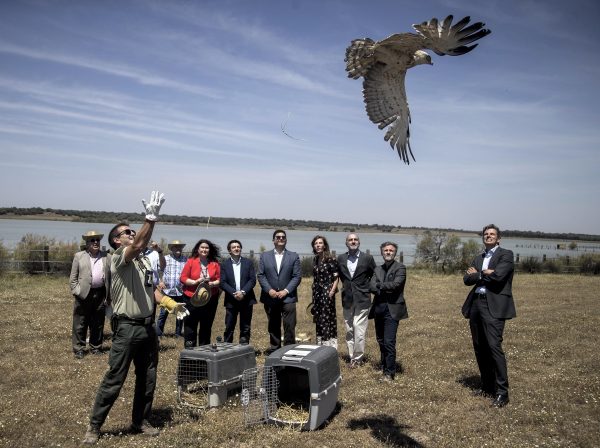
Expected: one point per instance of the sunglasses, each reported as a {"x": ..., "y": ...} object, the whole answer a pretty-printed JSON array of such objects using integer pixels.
[
  {"x": 280, "y": 237},
  {"x": 126, "y": 232},
  {"x": 94, "y": 240}
]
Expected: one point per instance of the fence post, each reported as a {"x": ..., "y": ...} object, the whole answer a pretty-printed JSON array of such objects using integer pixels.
[
  {"x": 517, "y": 260},
  {"x": 251, "y": 254},
  {"x": 333, "y": 254},
  {"x": 401, "y": 257},
  {"x": 543, "y": 258},
  {"x": 46, "y": 267}
]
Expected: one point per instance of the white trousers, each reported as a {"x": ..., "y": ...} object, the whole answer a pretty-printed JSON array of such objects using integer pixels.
[{"x": 356, "y": 320}]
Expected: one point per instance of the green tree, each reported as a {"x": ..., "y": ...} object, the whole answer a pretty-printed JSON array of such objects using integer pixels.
[{"x": 440, "y": 252}]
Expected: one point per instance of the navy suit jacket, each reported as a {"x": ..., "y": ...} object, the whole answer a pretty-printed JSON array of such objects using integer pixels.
[
  {"x": 289, "y": 276},
  {"x": 498, "y": 285},
  {"x": 247, "y": 282}
]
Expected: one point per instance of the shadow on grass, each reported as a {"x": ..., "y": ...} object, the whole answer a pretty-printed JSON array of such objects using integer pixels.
[
  {"x": 385, "y": 429},
  {"x": 472, "y": 382},
  {"x": 160, "y": 418},
  {"x": 334, "y": 413}
]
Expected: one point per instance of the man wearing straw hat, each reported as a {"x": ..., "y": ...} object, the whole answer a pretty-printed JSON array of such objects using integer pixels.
[
  {"x": 170, "y": 284},
  {"x": 90, "y": 286}
]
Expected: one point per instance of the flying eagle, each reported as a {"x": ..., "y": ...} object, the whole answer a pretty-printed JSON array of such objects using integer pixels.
[{"x": 383, "y": 66}]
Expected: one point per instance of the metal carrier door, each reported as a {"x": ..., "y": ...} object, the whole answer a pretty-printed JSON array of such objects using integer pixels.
[{"x": 259, "y": 394}]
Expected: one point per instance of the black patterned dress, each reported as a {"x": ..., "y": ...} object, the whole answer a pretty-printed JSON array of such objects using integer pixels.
[{"x": 324, "y": 274}]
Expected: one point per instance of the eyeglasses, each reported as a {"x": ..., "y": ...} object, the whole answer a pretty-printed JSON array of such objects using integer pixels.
[
  {"x": 280, "y": 237},
  {"x": 94, "y": 240},
  {"x": 126, "y": 232}
]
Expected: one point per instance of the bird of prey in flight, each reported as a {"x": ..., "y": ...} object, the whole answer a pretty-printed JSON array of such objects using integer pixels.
[{"x": 383, "y": 66}]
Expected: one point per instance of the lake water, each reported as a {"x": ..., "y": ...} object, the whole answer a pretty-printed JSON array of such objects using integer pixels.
[{"x": 12, "y": 230}]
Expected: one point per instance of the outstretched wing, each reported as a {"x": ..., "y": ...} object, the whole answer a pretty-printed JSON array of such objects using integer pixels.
[
  {"x": 385, "y": 100},
  {"x": 445, "y": 38}
]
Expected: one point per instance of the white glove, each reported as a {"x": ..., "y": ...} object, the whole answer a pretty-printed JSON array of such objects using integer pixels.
[
  {"x": 182, "y": 312},
  {"x": 153, "y": 207}
]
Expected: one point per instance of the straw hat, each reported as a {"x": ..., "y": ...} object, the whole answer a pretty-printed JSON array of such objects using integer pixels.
[
  {"x": 200, "y": 297},
  {"x": 175, "y": 243},
  {"x": 92, "y": 234}
]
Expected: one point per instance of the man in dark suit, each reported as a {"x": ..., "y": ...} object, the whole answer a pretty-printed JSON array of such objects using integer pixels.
[
  {"x": 389, "y": 307},
  {"x": 279, "y": 275},
  {"x": 90, "y": 286},
  {"x": 238, "y": 278},
  {"x": 356, "y": 270},
  {"x": 487, "y": 307}
]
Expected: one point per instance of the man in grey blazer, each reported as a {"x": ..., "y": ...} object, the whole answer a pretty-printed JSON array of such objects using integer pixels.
[
  {"x": 489, "y": 304},
  {"x": 279, "y": 275},
  {"x": 389, "y": 306},
  {"x": 356, "y": 270},
  {"x": 90, "y": 286}
]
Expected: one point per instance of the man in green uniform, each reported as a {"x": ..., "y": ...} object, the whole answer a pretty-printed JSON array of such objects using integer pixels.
[{"x": 134, "y": 335}]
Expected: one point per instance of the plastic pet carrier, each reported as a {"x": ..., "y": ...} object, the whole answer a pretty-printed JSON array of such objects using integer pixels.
[
  {"x": 210, "y": 374},
  {"x": 298, "y": 387}
]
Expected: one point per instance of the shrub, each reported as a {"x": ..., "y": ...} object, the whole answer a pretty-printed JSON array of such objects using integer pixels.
[
  {"x": 4, "y": 258},
  {"x": 553, "y": 265},
  {"x": 589, "y": 264},
  {"x": 531, "y": 265},
  {"x": 306, "y": 265},
  {"x": 39, "y": 254},
  {"x": 61, "y": 257}
]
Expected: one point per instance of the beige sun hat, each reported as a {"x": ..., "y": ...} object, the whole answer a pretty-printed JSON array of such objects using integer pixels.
[
  {"x": 201, "y": 296},
  {"x": 176, "y": 243},
  {"x": 91, "y": 234}
]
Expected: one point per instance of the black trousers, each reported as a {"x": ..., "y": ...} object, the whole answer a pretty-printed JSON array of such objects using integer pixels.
[
  {"x": 276, "y": 313},
  {"x": 131, "y": 342},
  {"x": 89, "y": 314},
  {"x": 197, "y": 327},
  {"x": 486, "y": 332},
  {"x": 244, "y": 310},
  {"x": 386, "y": 328}
]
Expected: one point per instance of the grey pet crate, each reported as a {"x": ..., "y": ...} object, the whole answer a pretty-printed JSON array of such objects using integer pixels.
[
  {"x": 297, "y": 387},
  {"x": 210, "y": 374}
]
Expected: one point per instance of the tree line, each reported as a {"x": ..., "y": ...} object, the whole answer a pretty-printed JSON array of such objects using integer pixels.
[{"x": 112, "y": 217}]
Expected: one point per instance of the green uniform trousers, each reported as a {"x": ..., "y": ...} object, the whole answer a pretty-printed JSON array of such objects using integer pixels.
[{"x": 131, "y": 342}]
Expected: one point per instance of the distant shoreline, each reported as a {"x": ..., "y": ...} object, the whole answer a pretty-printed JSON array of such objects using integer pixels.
[
  {"x": 49, "y": 216},
  {"x": 361, "y": 229}
]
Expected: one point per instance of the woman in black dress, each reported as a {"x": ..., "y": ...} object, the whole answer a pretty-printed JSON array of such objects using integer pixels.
[{"x": 325, "y": 281}]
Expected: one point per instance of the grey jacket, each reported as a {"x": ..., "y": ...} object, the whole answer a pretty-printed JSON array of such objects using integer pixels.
[
  {"x": 389, "y": 287},
  {"x": 81, "y": 274}
]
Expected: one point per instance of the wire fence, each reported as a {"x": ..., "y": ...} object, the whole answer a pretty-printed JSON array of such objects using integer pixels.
[{"x": 57, "y": 260}]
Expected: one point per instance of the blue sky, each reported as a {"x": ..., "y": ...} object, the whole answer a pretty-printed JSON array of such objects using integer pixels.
[{"x": 101, "y": 102}]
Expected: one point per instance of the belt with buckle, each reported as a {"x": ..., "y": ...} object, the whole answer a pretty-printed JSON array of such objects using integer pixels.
[{"x": 135, "y": 321}]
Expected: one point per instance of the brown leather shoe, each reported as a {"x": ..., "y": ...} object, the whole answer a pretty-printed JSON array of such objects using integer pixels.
[{"x": 91, "y": 436}]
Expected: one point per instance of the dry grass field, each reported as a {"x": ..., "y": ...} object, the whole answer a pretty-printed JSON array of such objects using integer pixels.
[{"x": 552, "y": 349}]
